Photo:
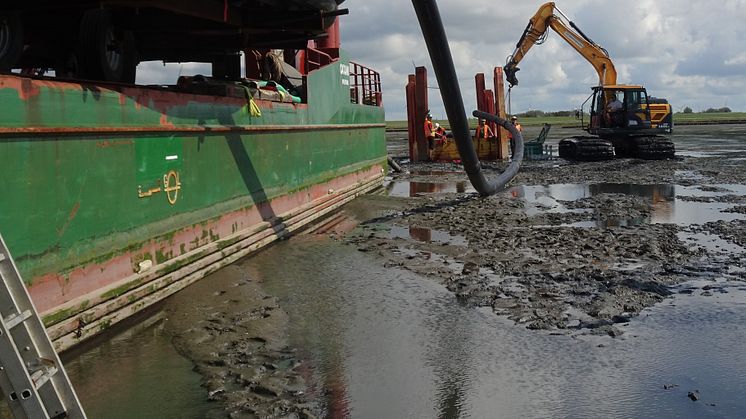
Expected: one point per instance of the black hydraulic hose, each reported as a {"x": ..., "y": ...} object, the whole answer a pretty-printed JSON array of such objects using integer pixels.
[
  {"x": 515, "y": 164},
  {"x": 431, "y": 24}
]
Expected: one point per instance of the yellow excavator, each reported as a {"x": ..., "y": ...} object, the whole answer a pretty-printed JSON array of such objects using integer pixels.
[{"x": 624, "y": 120}]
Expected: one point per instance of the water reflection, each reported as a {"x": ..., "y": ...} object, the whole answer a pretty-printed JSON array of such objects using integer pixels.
[
  {"x": 137, "y": 374},
  {"x": 426, "y": 235},
  {"x": 402, "y": 346},
  {"x": 669, "y": 203},
  {"x": 712, "y": 243},
  {"x": 412, "y": 189},
  {"x": 452, "y": 365}
]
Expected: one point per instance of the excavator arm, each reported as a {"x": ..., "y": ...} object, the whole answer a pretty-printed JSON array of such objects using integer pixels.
[{"x": 549, "y": 16}]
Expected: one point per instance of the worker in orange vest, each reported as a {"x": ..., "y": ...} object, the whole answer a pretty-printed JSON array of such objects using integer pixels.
[
  {"x": 484, "y": 131},
  {"x": 429, "y": 133},
  {"x": 514, "y": 121},
  {"x": 440, "y": 134}
]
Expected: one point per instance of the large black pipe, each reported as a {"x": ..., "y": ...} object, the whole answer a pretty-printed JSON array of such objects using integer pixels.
[
  {"x": 431, "y": 24},
  {"x": 515, "y": 164}
]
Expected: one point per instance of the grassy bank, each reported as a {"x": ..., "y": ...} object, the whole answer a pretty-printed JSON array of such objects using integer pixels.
[
  {"x": 559, "y": 121},
  {"x": 678, "y": 118}
]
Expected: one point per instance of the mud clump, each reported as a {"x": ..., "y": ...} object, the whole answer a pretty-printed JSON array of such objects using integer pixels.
[{"x": 236, "y": 340}]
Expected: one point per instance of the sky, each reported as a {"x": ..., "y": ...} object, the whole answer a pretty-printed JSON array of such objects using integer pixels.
[{"x": 692, "y": 53}]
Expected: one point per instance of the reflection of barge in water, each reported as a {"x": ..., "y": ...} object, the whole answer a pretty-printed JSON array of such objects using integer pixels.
[{"x": 115, "y": 196}]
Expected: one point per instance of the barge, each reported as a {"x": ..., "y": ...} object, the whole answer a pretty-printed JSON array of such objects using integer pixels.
[{"x": 115, "y": 195}]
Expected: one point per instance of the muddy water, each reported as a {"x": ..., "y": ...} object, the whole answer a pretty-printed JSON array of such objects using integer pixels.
[
  {"x": 671, "y": 204},
  {"x": 136, "y": 374},
  {"x": 387, "y": 343}
]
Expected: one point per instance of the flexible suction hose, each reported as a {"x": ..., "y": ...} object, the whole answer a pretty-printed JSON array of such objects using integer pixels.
[
  {"x": 515, "y": 164},
  {"x": 431, "y": 24}
]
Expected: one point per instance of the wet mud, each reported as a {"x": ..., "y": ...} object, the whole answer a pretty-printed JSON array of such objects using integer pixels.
[
  {"x": 570, "y": 247},
  {"x": 235, "y": 335}
]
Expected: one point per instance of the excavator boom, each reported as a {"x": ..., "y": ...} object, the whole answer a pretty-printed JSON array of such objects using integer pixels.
[
  {"x": 549, "y": 16},
  {"x": 621, "y": 116}
]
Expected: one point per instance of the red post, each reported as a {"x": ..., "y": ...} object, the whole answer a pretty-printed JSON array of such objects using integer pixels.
[
  {"x": 480, "y": 86},
  {"x": 330, "y": 44},
  {"x": 488, "y": 99},
  {"x": 502, "y": 134},
  {"x": 411, "y": 116},
  {"x": 421, "y": 108}
]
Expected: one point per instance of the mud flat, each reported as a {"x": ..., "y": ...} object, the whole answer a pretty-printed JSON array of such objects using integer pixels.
[
  {"x": 235, "y": 335},
  {"x": 570, "y": 247}
]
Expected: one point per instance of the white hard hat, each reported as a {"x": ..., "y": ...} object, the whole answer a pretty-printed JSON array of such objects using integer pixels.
[{"x": 437, "y": 125}]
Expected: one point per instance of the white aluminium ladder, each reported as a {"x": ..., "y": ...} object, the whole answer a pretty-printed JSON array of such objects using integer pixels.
[{"x": 32, "y": 378}]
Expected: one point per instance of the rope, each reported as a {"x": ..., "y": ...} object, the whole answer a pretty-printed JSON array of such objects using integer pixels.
[
  {"x": 273, "y": 67},
  {"x": 251, "y": 107},
  {"x": 254, "y": 108}
]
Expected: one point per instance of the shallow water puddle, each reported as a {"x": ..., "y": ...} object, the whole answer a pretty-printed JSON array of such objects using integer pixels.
[
  {"x": 373, "y": 333},
  {"x": 710, "y": 242},
  {"x": 688, "y": 175},
  {"x": 433, "y": 172},
  {"x": 412, "y": 189},
  {"x": 698, "y": 154},
  {"x": 711, "y": 191},
  {"x": 670, "y": 205},
  {"x": 426, "y": 235}
]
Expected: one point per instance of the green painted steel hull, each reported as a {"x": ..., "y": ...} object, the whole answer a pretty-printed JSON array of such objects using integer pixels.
[{"x": 104, "y": 186}]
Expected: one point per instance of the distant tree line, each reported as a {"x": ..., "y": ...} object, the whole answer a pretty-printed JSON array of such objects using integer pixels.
[
  {"x": 539, "y": 114},
  {"x": 724, "y": 109}
]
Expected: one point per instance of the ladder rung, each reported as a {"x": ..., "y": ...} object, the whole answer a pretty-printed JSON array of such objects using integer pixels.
[
  {"x": 15, "y": 319},
  {"x": 40, "y": 377},
  {"x": 30, "y": 362}
]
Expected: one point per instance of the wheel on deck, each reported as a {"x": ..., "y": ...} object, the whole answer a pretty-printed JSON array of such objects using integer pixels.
[
  {"x": 652, "y": 148},
  {"x": 130, "y": 57},
  {"x": 105, "y": 52},
  {"x": 586, "y": 149},
  {"x": 11, "y": 40}
]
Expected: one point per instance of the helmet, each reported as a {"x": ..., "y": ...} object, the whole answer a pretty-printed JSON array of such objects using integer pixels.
[
  {"x": 513, "y": 118},
  {"x": 437, "y": 125}
]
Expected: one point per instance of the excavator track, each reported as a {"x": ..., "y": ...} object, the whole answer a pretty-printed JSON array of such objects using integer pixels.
[
  {"x": 586, "y": 149},
  {"x": 653, "y": 147}
]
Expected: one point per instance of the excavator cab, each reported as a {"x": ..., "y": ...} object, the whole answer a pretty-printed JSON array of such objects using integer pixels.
[{"x": 619, "y": 109}]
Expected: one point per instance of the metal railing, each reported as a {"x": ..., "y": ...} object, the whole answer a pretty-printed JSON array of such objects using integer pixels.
[
  {"x": 365, "y": 85},
  {"x": 316, "y": 59}
]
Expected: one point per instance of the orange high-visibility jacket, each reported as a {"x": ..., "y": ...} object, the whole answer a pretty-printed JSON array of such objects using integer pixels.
[
  {"x": 518, "y": 127},
  {"x": 429, "y": 129}
]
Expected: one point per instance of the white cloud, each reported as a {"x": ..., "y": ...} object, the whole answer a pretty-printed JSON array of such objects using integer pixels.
[
  {"x": 687, "y": 51},
  {"x": 737, "y": 60},
  {"x": 682, "y": 50}
]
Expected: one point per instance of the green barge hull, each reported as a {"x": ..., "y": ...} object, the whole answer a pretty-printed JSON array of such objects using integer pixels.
[{"x": 114, "y": 197}]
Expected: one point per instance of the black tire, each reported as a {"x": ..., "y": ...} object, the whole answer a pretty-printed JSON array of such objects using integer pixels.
[
  {"x": 586, "y": 149},
  {"x": 130, "y": 58},
  {"x": 653, "y": 148},
  {"x": 623, "y": 151},
  {"x": 567, "y": 149},
  {"x": 11, "y": 40},
  {"x": 103, "y": 50}
]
